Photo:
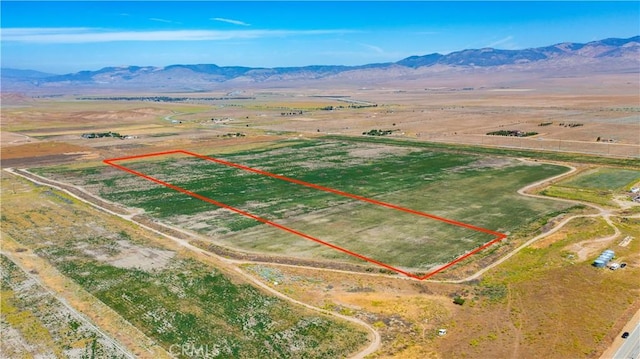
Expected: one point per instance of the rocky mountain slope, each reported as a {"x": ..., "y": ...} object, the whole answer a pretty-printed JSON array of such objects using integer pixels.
[{"x": 618, "y": 55}]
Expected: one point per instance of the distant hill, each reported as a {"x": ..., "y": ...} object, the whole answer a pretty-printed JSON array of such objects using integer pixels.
[
  {"x": 605, "y": 55},
  {"x": 23, "y": 74},
  {"x": 492, "y": 57}
]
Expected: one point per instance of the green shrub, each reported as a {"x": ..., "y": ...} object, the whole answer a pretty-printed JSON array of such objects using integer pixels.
[{"x": 458, "y": 300}]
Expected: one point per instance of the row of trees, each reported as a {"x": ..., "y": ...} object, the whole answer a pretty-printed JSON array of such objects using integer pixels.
[
  {"x": 162, "y": 98},
  {"x": 102, "y": 134},
  {"x": 375, "y": 132},
  {"x": 514, "y": 133}
]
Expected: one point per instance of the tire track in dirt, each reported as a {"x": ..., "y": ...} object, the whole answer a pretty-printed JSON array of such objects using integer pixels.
[{"x": 517, "y": 330}]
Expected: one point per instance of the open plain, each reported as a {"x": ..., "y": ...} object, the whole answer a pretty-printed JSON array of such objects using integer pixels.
[{"x": 170, "y": 266}]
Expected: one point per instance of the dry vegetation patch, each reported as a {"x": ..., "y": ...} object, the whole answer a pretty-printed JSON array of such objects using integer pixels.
[
  {"x": 168, "y": 295},
  {"x": 407, "y": 314},
  {"x": 35, "y": 322}
]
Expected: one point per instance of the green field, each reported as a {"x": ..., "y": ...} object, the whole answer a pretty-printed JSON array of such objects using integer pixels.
[
  {"x": 608, "y": 179},
  {"x": 188, "y": 302},
  {"x": 493, "y": 151},
  {"x": 171, "y": 297},
  {"x": 474, "y": 189},
  {"x": 596, "y": 186}
]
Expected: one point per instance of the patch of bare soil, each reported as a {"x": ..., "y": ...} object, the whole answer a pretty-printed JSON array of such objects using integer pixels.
[
  {"x": 39, "y": 153},
  {"x": 42, "y": 149},
  {"x": 131, "y": 256},
  {"x": 486, "y": 163},
  {"x": 264, "y": 258},
  {"x": 13, "y": 139},
  {"x": 368, "y": 151},
  {"x": 549, "y": 240},
  {"x": 625, "y": 201},
  {"x": 589, "y": 248}
]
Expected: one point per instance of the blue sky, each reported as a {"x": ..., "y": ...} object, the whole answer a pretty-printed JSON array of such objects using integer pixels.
[{"x": 63, "y": 37}]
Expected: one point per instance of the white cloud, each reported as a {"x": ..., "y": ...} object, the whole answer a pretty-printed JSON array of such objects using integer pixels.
[
  {"x": 96, "y": 35},
  {"x": 163, "y": 20},
  {"x": 230, "y": 21},
  {"x": 376, "y": 49},
  {"x": 25, "y": 31},
  {"x": 504, "y": 43}
]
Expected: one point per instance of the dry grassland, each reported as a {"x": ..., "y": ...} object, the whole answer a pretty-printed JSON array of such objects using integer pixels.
[
  {"x": 17, "y": 199},
  {"x": 439, "y": 109},
  {"x": 546, "y": 301},
  {"x": 543, "y": 302}
]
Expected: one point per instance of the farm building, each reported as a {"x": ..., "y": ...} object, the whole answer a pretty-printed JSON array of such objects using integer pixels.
[
  {"x": 604, "y": 258},
  {"x": 599, "y": 263}
]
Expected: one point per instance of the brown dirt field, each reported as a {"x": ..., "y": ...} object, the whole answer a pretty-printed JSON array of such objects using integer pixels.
[
  {"x": 14, "y": 139},
  {"x": 44, "y": 153},
  {"x": 467, "y": 117},
  {"x": 438, "y": 110},
  {"x": 42, "y": 149}
]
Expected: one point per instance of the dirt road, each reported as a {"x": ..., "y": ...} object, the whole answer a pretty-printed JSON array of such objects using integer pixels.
[
  {"x": 86, "y": 197},
  {"x": 602, "y": 212}
]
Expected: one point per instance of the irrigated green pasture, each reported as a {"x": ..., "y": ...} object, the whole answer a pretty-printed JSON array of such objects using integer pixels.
[
  {"x": 608, "y": 179},
  {"x": 478, "y": 190},
  {"x": 597, "y": 186}
]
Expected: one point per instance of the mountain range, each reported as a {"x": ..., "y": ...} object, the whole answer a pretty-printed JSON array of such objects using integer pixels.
[{"x": 613, "y": 54}]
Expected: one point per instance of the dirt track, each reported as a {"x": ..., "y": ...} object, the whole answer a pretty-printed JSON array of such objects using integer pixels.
[{"x": 131, "y": 216}]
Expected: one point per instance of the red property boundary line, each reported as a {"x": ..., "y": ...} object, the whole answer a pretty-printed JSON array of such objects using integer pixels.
[{"x": 498, "y": 236}]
